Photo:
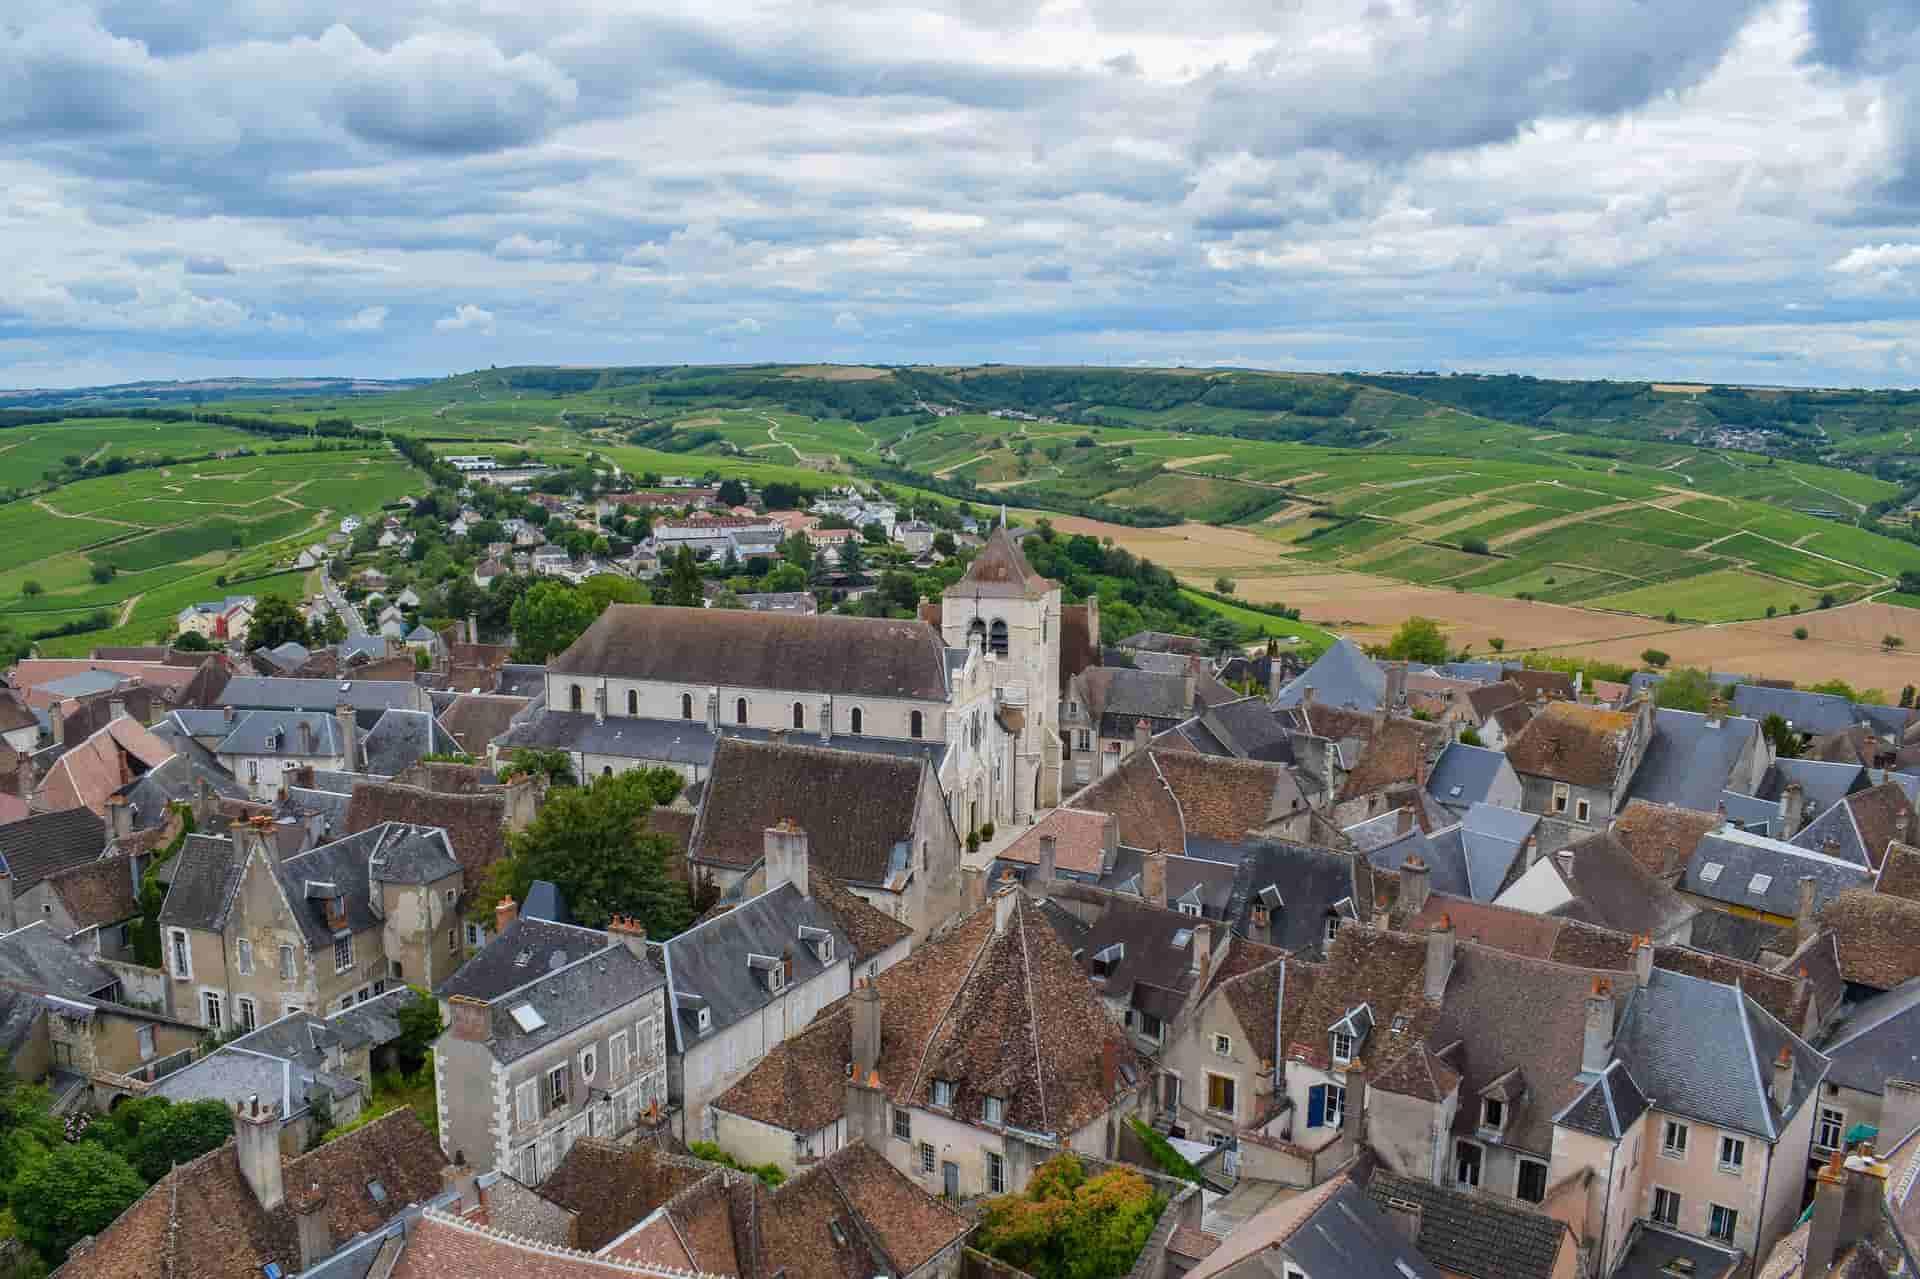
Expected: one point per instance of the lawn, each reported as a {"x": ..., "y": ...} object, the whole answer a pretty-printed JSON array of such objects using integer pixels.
[
  {"x": 1312, "y": 639},
  {"x": 1723, "y": 596},
  {"x": 1784, "y": 561}
]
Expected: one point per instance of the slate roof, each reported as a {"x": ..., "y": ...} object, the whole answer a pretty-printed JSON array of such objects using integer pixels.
[
  {"x": 1335, "y": 1231},
  {"x": 1311, "y": 883},
  {"x": 1804, "y": 712},
  {"x": 1246, "y": 728},
  {"x": 1615, "y": 891},
  {"x": 860, "y": 812},
  {"x": 1198, "y": 880},
  {"x": 1652, "y": 1252},
  {"x": 368, "y": 697},
  {"x": 1491, "y": 839},
  {"x": 279, "y": 733},
  {"x": 1859, "y": 827},
  {"x": 1707, "y": 1052},
  {"x": 1442, "y": 852},
  {"x": 1878, "y": 1040},
  {"x": 1690, "y": 760},
  {"x": 1341, "y": 676},
  {"x": 47, "y": 843},
  {"x": 845, "y": 656},
  {"x": 1609, "y": 1105},
  {"x": 581, "y": 991},
  {"x": 1738, "y": 936},
  {"x": 679, "y": 741},
  {"x": 1465, "y": 775},
  {"x": 1823, "y": 784},
  {"x": 1117, "y": 698},
  {"x": 1473, "y": 1235},
  {"x": 529, "y": 947},
  {"x": 1742, "y": 857},
  {"x": 34, "y": 958},
  {"x": 475, "y": 719},
  {"x": 401, "y": 739},
  {"x": 709, "y": 960}
]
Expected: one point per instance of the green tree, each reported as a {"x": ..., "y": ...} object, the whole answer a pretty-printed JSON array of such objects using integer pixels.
[
  {"x": 190, "y": 642},
  {"x": 1654, "y": 657},
  {"x": 1786, "y": 742},
  {"x": 1224, "y": 585},
  {"x": 275, "y": 622},
  {"x": 797, "y": 550},
  {"x": 1067, "y": 1225},
  {"x": 1686, "y": 689},
  {"x": 420, "y": 1025},
  {"x": 683, "y": 581},
  {"x": 31, "y": 588},
  {"x": 853, "y": 558},
  {"x": 1470, "y": 736},
  {"x": 1474, "y": 545},
  {"x": 594, "y": 843},
  {"x": 177, "y": 1134},
  {"x": 943, "y": 543},
  {"x": 548, "y": 618},
  {"x": 101, "y": 573},
  {"x": 898, "y": 591},
  {"x": 1497, "y": 644},
  {"x": 873, "y": 534},
  {"x": 527, "y": 761},
  {"x": 732, "y": 493},
  {"x": 787, "y": 577},
  {"x": 1799, "y": 632},
  {"x": 70, "y": 1193},
  {"x": 1418, "y": 640}
]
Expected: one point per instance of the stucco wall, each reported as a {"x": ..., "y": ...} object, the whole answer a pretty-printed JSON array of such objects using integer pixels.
[
  {"x": 715, "y": 1063},
  {"x": 767, "y": 708},
  {"x": 753, "y": 1142}
]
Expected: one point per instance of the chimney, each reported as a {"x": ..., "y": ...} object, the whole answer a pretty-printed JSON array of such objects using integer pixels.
[
  {"x": 866, "y": 1028},
  {"x": 116, "y": 709},
  {"x": 1404, "y": 822},
  {"x": 1530, "y": 851},
  {"x": 1202, "y": 958},
  {"x": 1260, "y": 926},
  {"x": 1439, "y": 958},
  {"x": 630, "y": 933},
  {"x": 1804, "y": 923},
  {"x": 1396, "y": 685},
  {"x": 120, "y": 813},
  {"x": 1596, "y": 1048},
  {"x": 459, "y": 1178},
  {"x": 1353, "y": 1118},
  {"x": 57, "y": 720},
  {"x": 306, "y": 739},
  {"x": 1782, "y": 1090},
  {"x": 314, "y": 1227},
  {"x": 1153, "y": 879},
  {"x": 1046, "y": 858},
  {"x": 600, "y": 703},
  {"x": 1793, "y": 809},
  {"x": 256, "y": 1139},
  {"x": 1110, "y": 1065},
  {"x": 1404, "y": 1215},
  {"x": 203, "y": 805},
  {"x": 505, "y": 911},
  {"x": 1382, "y": 919},
  {"x": 1141, "y": 732},
  {"x": 787, "y": 856},
  {"x": 228, "y": 715},
  {"x": 1002, "y": 910},
  {"x": 713, "y": 711},
  {"x": 1643, "y": 959},
  {"x": 1187, "y": 691},
  {"x": 826, "y": 719},
  {"x": 1109, "y": 842},
  {"x": 1824, "y": 1238},
  {"x": 473, "y": 628},
  {"x": 472, "y": 1019},
  {"x": 343, "y": 715},
  {"x": 1416, "y": 885}
]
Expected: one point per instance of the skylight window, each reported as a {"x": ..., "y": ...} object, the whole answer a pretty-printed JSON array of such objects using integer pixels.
[
  {"x": 1181, "y": 938},
  {"x": 529, "y": 1020},
  {"x": 1759, "y": 884},
  {"x": 377, "y": 1191},
  {"x": 1710, "y": 873}
]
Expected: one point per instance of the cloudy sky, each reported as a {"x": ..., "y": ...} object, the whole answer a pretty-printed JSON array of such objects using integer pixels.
[{"x": 1722, "y": 189}]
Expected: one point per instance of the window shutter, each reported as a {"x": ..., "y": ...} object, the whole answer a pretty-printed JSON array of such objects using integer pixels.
[{"x": 1316, "y": 1105}]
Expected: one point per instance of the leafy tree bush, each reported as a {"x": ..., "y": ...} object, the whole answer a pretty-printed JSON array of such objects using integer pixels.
[
  {"x": 1786, "y": 742},
  {"x": 1497, "y": 644},
  {"x": 1470, "y": 736},
  {"x": 1474, "y": 545},
  {"x": 548, "y": 618},
  {"x": 1654, "y": 657},
  {"x": 770, "y": 1175},
  {"x": 684, "y": 588},
  {"x": 190, "y": 642},
  {"x": 1164, "y": 1156},
  {"x": 1687, "y": 689},
  {"x": 31, "y": 588},
  {"x": 275, "y": 622},
  {"x": 69, "y": 1193},
  {"x": 1067, "y": 1225},
  {"x": 1418, "y": 640},
  {"x": 1224, "y": 585},
  {"x": 526, "y": 761},
  {"x": 1799, "y": 632}
]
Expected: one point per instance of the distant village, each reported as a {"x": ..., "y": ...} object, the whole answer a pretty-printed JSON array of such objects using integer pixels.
[{"x": 1312, "y": 971}]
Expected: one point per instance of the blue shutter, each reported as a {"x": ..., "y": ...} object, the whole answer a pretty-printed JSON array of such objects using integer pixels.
[{"x": 1316, "y": 1105}]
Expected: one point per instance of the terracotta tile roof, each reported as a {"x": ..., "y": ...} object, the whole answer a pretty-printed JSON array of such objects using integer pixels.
[
  {"x": 612, "y": 1187},
  {"x": 1000, "y": 571},
  {"x": 1253, "y": 997},
  {"x": 107, "y": 760},
  {"x": 675, "y": 824},
  {"x": 1882, "y": 815},
  {"x": 443, "y": 1246},
  {"x": 1572, "y": 743},
  {"x": 800, "y": 1084},
  {"x": 1661, "y": 836},
  {"x": 1223, "y": 799},
  {"x": 1551, "y": 684},
  {"x": 476, "y": 719},
  {"x": 1512, "y": 719},
  {"x": 1397, "y": 753},
  {"x": 869, "y": 929},
  {"x": 1133, "y": 793},
  {"x": 1385, "y": 970},
  {"x": 97, "y": 894},
  {"x": 1079, "y": 841},
  {"x": 1900, "y": 872},
  {"x": 1188, "y": 1242},
  {"x": 1875, "y": 933},
  {"x": 1488, "y": 698},
  {"x": 14, "y": 714},
  {"x": 475, "y": 824},
  {"x": 1417, "y": 1073},
  {"x": 910, "y": 1226}
]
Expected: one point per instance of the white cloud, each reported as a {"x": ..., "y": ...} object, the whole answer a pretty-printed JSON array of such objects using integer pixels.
[
  {"x": 522, "y": 246},
  {"x": 848, "y": 322},
  {"x": 368, "y": 319},
  {"x": 466, "y": 318},
  {"x": 745, "y": 326}
]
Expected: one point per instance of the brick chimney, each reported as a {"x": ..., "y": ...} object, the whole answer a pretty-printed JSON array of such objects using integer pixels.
[
  {"x": 1260, "y": 926},
  {"x": 1793, "y": 809},
  {"x": 630, "y": 933},
  {"x": 1781, "y": 1091},
  {"x": 1416, "y": 885},
  {"x": 471, "y": 1019},
  {"x": 1202, "y": 957},
  {"x": 1003, "y": 901},
  {"x": 1046, "y": 870},
  {"x": 1353, "y": 1117},
  {"x": 600, "y": 703},
  {"x": 1804, "y": 921},
  {"x": 314, "y": 1226},
  {"x": 1142, "y": 731},
  {"x": 787, "y": 856},
  {"x": 1440, "y": 941},
  {"x": 505, "y": 911},
  {"x": 119, "y": 816},
  {"x": 1153, "y": 878},
  {"x": 1596, "y": 1045},
  {"x": 866, "y": 1028},
  {"x": 1405, "y": 1216},
  {"x": 473, "y": 628},
  {"x": 256, "y": 1139},
  {"x": 343, "y": 715}
]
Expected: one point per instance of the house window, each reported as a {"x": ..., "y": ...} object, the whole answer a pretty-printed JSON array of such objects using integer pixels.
[
  {"x": 1220, "y": 1094},
  {"x": 1532, "y": 1183},
  {"x": 1086, "y": 740},
  {"x": 243, "y": 1013},
  {"x": 126, "y": 936},
  {"x": 617, "y": 1055},
  {"x": 1336, "y": 1105},
  {"x": 182, "y": 954},
  {"x": 527, "y": 1102},
  {"x": 1733, "y": 1154},
  {"x": 210, "y": 1002},
  {"x": 914, "y": 724},
  {"x": 1152, "y": 1027},
  {"x": 1493, "y": 1113},
  {"x": 556, "y": 1088},
  {"x": 1722, "y": 1222},
  {"x": 902, "y": 1125},
  {"x": 1580, "y": 810},
  {"x": 799, "y": 715},
  {"x": 343, "y": 954},
  {"x": 943, "y": 1093},
  {"x": 993, "y": 1111},
  {"x": 853, "y": 721},
  {"x": 1561, "y": 794},
  {"x": 1674, "y": 1144},
  {"x": 453, "y": 941},
  {"x": 996, "y": 1174},
  {"x": 686, "y": 706},
  {"x": 1222, "y": 1046},
  {"x": 589, "y": 1064},
  {"x": 926, "y": 1158},
  {"x": 1342, "y": 1048},
  {"x": 1666, "y": 1206},
  {"x": 633, "y": 701},
  {"x": 1333, "y": 928},
  {"x": 475, "y": 934},
  {"x": 146, "y": 1042},
  {"x": 243, "y": 957},
  {"x": 1832, "y": 1127},
  {"x": 1189, "y": 908},
  {"x": 1466, "y": 1163},
  {"x": 573, "y": 697},
  {"x": 286, "y": 963},
  {"x": 740, "y": 710}
]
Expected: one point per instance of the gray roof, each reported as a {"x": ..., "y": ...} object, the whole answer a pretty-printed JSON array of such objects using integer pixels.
[
  {"x": 546, "y": 901},
  {"x": 598, "y": 983},
  {"x": 279, "y": 733},
  {"x": 179, "y": 777},
  {"x": 1610, "y": 1104},
  {"x": 1134, "y": 694},
  {"x": 1343, "y": 676},
  {"x": 1207, "y": 884},
  {"x": 1690, "y": 760},
  {"x": 1351, "y": 1237},
  {"x": 1248, "y": 729},
  {"x": 1838, "y": 824},
  {"x": 681, "y": 741},
  {"x": 522, "y": 679},
  {"x": 232, "y": 1072},
  {"x": 374, "y": 1021},
  {"x": 1473, "y": 1234},
  {"x": 37, "y": 846},
  {"x": 1761, "y": 816},
  {"x": 1707, "y": 1052},
  {"x": 1889, "y": 721},
  {"x": 529, "y": 946},
  {"x": 35, "y": 958},
  {"x": 367, "y": 696},
  {"x": 1822, "y": 784},
  {"x": 1652, "y": 1251},
  {"x": 1443, "y": 852},
  {"x": 289, "y": 656},
  {"x": 401, "y": 739},
  {"x": 18, "y": 1013},
  {"x": 331, "y": 805},
  {"x": 1738, "y": 936},
  {"x": 1741, "y": 856},
  {"x": 1478, "y": 672},
  {"x": 1877, "y": 1041},
  {"x": 206, "y": 873},
  {"x": 1491, "y": 838},
  {"x": 1378, "y": 832},
  {"x": 84, "y": 683},
  {"x": 709, "y": 960},
  {"x": 1464, "y": 775},
  {"x": 373, "y": 646},
  {"x": 1311, "y": 883},
  {"x": 1804, "y": 712}
]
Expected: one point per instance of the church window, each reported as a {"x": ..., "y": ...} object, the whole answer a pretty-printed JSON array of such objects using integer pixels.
[
  {"x": 686, "y": 706},
  {"x": 997, "y": 641},
  {"x": 914, "y": 723}
]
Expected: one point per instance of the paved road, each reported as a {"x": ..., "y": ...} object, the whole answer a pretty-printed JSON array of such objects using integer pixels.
[{"x": 338, "y": 602}]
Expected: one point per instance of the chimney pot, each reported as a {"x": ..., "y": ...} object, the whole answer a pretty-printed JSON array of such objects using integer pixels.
[{"x": 504, "y": 913}]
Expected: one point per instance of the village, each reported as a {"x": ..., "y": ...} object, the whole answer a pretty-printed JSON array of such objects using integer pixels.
[{"x": 1353, "y": 966}]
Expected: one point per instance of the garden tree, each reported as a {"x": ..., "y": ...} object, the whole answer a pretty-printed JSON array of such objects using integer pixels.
[
  {"x": 1224, "y": 585},
  {"x": 1474, "y": 545},
  {"x": 332, "y": 630},
  {"x": 177, "y": 1134},
  {"x": 1686, "y": 689},
  {"x": 787, "y": 577},
  {"x": 795, "y": 549},
  {"x": 728, "y": 598},
  {"x": 1066, "y": 1225},
  {"x": 275, "y": 622},
  {"x": 898, "y": 591},
  {"x": 1906, "y": 696},
  {"x": 69, "y": 1193},
  {"x": 1418, "y": 640},
  {"x": 190, "y": 642},
  {"x": 874, "y": 534},
  {"x": 101, "y": 573},
  {"x": 365, "y": 539},
  {"x": 603, "y": 589},
  {"x": 547, "y": 619},
  {"x": 732, "y": 493},
  {"x": 853, "y": 558},
  {"x": 1470, "y": 736},
  {"x": 1786, "y": 742},
  {"x": 486, "y": 532},
  {"x": 594, "y": 844},
  {"x": 31, "y": 588},
  {"x": 683, "y": 581},
  {"x": 1497, "y": 644},
  {"x": 943, "y": 542},
  {"x": 1654, "y": 657},
  {"x": 526, "y": 761},
  {"x": 420, "y": 1025}
]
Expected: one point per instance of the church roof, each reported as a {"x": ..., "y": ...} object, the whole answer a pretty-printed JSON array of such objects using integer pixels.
[{"x": 1000, "y": 571}]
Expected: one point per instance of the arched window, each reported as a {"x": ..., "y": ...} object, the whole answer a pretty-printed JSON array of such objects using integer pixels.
[
  {"x": 740, "y": 710},
  {"x": 573, "y": 697},
  {"x": 607, "y": 771},
  {"x": 998, "y": 642},
  {"x": 686, "y": 706},
  {"x": 633, "y": 701},
  {"x": 914, "y": 724},
  {"x": 799, "y": 715},
  {"x": 977, "y": 636},
  {"x": 854, "y": 720}
]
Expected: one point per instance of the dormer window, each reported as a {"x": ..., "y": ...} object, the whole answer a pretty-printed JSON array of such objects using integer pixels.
[
  {"x": 1493, "y": 1114},
  {"x": 943, "y": 1093},
  {"x": 704, "y": 1020},
  {"x": 1342, "y": 1048},
  {"x": 1190, "y": 908},
  {"x": 1108, "y": 959},
  {"x": 993, "y": 1111},
  {"x": 821, "y": 940}
]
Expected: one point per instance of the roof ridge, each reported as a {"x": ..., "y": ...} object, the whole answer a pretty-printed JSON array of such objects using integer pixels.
[
  {"x": 1033, "y": 1014},
  {"x": 973, "y": 966}
]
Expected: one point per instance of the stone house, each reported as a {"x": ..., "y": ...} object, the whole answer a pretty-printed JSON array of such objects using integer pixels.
[
  {"x": 555, "y": 1033},
  {"x": 261, "y": 747},
  {"x": 1576, "y": 762}
]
